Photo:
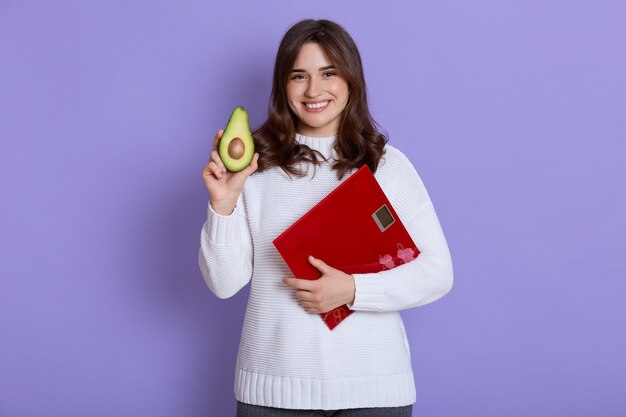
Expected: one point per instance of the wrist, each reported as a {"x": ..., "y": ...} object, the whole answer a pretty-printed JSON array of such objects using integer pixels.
[
  {"x": 223, "y": 208},
  {"x": 352, "y": 287}
]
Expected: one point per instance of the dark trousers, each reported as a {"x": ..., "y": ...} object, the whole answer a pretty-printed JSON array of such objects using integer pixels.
[{"x": 249, "y": 410}]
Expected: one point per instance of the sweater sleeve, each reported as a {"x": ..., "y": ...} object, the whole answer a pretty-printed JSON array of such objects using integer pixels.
[
  {"x": 225, "y": 257},
  {"x": 422, "y": 280}
]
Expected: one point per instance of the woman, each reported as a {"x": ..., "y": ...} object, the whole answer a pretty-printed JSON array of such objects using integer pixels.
[{"x": 319, "y": 131}]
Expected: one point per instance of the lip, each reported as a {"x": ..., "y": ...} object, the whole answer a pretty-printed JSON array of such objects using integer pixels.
[{"x": 304, "y": 104}]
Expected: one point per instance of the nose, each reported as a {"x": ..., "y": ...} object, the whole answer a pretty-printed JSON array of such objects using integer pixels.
[{"x": 313, "y": 88}]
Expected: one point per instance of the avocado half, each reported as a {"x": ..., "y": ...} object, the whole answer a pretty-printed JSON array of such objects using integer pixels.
[{"x": 236, "y": 147}]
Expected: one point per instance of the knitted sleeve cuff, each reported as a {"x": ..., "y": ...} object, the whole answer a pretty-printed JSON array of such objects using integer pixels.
[
  {"x": 223, "y": 230},
  {"x": 369, "y": 292}
]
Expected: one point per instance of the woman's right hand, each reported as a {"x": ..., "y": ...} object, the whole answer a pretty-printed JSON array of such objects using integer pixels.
[{"x": 225, "y": 186}]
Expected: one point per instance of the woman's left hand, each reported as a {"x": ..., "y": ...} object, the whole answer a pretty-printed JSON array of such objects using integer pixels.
[{"x": 333, "y": 289}]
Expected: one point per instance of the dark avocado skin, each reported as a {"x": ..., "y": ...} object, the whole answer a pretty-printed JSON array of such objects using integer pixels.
[{"x": 237, "y": 127}]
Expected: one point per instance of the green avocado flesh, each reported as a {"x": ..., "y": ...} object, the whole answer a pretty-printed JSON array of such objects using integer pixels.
[{"x": 236, "y": 147}]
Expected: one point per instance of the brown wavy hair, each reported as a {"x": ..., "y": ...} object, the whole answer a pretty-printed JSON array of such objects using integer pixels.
[{"x": 358, "y": 141}]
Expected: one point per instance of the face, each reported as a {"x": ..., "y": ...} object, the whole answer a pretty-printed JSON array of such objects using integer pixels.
[{"x": 316, "y": 91}]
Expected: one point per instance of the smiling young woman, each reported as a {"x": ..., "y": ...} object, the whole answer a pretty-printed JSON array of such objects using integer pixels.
[
  {"x": 315, "y": 45},
  {"x": 316, "y": 92},
  {"x": 289, "y": 363}
]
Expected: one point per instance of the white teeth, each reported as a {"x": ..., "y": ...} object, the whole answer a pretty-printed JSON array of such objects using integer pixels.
[{"x": 317, "y": 105}]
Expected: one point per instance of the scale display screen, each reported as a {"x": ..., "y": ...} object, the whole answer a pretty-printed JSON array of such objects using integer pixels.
[{"x": 383, "y": 218}]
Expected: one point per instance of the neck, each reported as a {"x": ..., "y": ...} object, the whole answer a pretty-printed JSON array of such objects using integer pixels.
[
  {"x": 330, "y": 130},
  {"x": 324, "y": 144},
  {"x": 317, "y": 134}
]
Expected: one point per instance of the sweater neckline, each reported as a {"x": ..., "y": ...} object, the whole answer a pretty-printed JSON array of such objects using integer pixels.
[{"x": 324, "y": 144}]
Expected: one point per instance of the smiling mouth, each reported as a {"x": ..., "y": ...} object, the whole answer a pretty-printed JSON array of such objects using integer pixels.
[{"x": 319, "y": 106}]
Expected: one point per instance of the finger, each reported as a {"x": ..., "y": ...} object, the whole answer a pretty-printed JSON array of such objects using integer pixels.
[
  {"x": 216, "y": 139},
  {"x": 320, "y": 265},
  {"x": 306, "y": 296},
  {"x": 214, "y": 169},
  {"x": 215, "y": 156},
  {"x": 309, "y": 306},
  {"x": 288, "y": 281},
  {"x": 300, "y": 284},
  {"x": 253, "y": 165}
]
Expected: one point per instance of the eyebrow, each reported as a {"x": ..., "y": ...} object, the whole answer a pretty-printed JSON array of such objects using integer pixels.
[{"x": 321, "y": 69}]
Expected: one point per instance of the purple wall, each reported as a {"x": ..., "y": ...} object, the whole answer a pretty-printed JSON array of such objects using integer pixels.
[{"x": 513, "y": 112}]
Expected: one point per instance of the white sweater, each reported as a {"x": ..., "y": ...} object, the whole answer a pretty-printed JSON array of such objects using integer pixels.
[{"x": 288, "y": 358}]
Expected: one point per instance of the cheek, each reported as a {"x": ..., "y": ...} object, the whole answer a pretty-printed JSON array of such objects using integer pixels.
[
  {"x": 293, "y": 108},
  {"x": 292, "y": 95},
  {"x": 291, "y": 103},
  {"x": 340, "y": 90},
  {"x": 292, "y": 90}
]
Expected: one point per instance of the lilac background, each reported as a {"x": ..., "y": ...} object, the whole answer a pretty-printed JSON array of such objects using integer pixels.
[{"x": 513, "y": 112}]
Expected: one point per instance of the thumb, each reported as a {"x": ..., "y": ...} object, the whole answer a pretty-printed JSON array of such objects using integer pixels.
[
  {"x": 253, "y": 165},
  {"x": 319, "y": 264}
]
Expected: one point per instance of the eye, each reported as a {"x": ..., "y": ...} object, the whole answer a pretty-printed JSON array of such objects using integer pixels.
[
  {"x": 329, "y": 74},
  {"x": 297, "y": 77}
]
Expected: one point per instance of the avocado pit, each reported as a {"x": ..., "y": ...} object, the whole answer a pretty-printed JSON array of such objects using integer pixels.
[{"x": 236, "y": 148}]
